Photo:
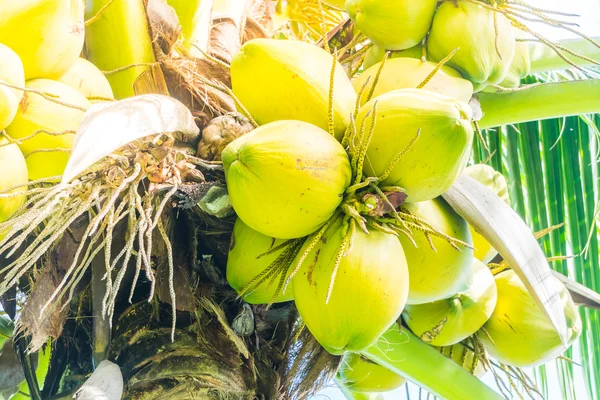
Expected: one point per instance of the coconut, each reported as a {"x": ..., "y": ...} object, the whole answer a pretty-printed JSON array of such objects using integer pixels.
[
  {"x": 495, "y": 181},
  {"x": 11, "y": 72},
  {"x": 247, "y": 259},
  {"x": 439, "y": 155},
  {"x": 87, "y": 79},
  {"x": 285, "y": 179},
  {"x": 406, "y": 73},
  {"x": 285, "y": 79},
  {"x": 360, "y": 374},
  {"x": 519, "y": 333},
  {"x": 375, "y": 54},
  {"x": 46, "y": 34},
  {"x": 484, "y": 54},
  {"x": 14, "y": 173},
  {"x": 393, "y": 24},
  {"x": 47, "y": 155},
  {"x": 464, "y": 357},
  {"x": 443, "y": 272},
  {"x": 368, "y": 293},
  {"x": 448, "y": 321},
  {"x": 519, "y": 67}
]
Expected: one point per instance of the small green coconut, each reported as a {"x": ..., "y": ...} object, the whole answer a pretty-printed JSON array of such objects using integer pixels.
[
  {"x": 11, "y": 72},
  {"x": 496, "y": 182},
  {"x": 519, "y": 333},
  {"x": 485, "y": 53},
  {"x": 441, "y": 273},
  {"x": 13, "y": 172},
  {"x": 368, "y": 293},
  {"x": 376, "y": 54},
  {"x": 248, "y": 258},
  {"x": 360, "y": 374},
  {"x": 448, "y": 321},
  {"x": 409, "y": 73},
  {"x": 87, "y": 79},
  {"x": 285, "y": 179},
  {"x": 47, "y": 154},
  {"x": 393, "y": 24},
  {"x": 439, "y": 154},
  {"x": 289, "y": 80}
]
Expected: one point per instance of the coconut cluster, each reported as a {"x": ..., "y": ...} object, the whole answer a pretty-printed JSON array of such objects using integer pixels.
[
  {"x": 45, "y": 87},
  {"x": 338, "y": 188}
]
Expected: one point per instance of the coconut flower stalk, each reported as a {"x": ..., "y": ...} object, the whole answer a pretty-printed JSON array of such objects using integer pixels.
[
  {"x": 402, "y": 352},
  {"x": 112, "y": 22}
]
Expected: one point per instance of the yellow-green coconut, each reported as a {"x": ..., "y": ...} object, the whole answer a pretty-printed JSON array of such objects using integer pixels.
[
  {"x": 448, "y": 321},
  {"x": 289, "y": 80},
  {"x": 87, "y": 79},
  {"x": 520, "y": 333},
  {"x": 409, "y": 73},
  {"x": 368, "y": 294},
  {"x": 286, "y": 178},
  {"x": 248, "y": 258},
  {"x": 439, "y": 274},
  {"x": 375, "y": 55},
  {"x": 439, "y": 155},
  {"x": 485, "y": 53},
  {"x": 393, "y": 24},
  {"x": 47, "y": 35},
  {"x": 47, "y": 154},
  {"x": 13, "y": 173},
  {"x": 11, "y": 73},
  {"x": 360, "y": 374}
]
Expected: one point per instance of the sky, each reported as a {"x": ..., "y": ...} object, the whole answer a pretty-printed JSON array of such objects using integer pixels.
[{"x": 589, "y": 24}]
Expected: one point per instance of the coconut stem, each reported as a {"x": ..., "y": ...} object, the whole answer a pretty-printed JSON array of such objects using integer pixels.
[
  {"x": 545, "y": 101},
  {"x": 403, "y": 353}
]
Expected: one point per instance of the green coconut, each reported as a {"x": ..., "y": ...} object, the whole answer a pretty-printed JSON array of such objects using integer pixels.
[
  {"x": 496, "y": 182},
  {"x": 439, "y": 155},
  {"x": 369, "y": 291},
  {"x": 360, "y": 374},
  {"x": 289, "y": 80},
  {"x": 247, "y": 259},
  {"x": 519, "y": 67},
  {"x": 439, "y": 274},
  {"x": 11, "y": 72},
  {"x": 484, "y": 57},
  {"x": 87, "y": 79},
  {"x": 13, "y": 173},
  {"x": 375, "y": 55},
  {"x": 519, "y": 333},
  {"x": 47, "y": 155},
  {"x": 448, "y": 321},
  {"x": 47, "y": 35},
  {"x": 464, "y": 357},
  {"x": 393, "y": 24},
  {"x": 285, "y": 179},
  {"x": 407, "y": 73}
]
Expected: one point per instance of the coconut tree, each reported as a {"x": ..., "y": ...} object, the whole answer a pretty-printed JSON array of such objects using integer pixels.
[{"x": 148, "y": 238}]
